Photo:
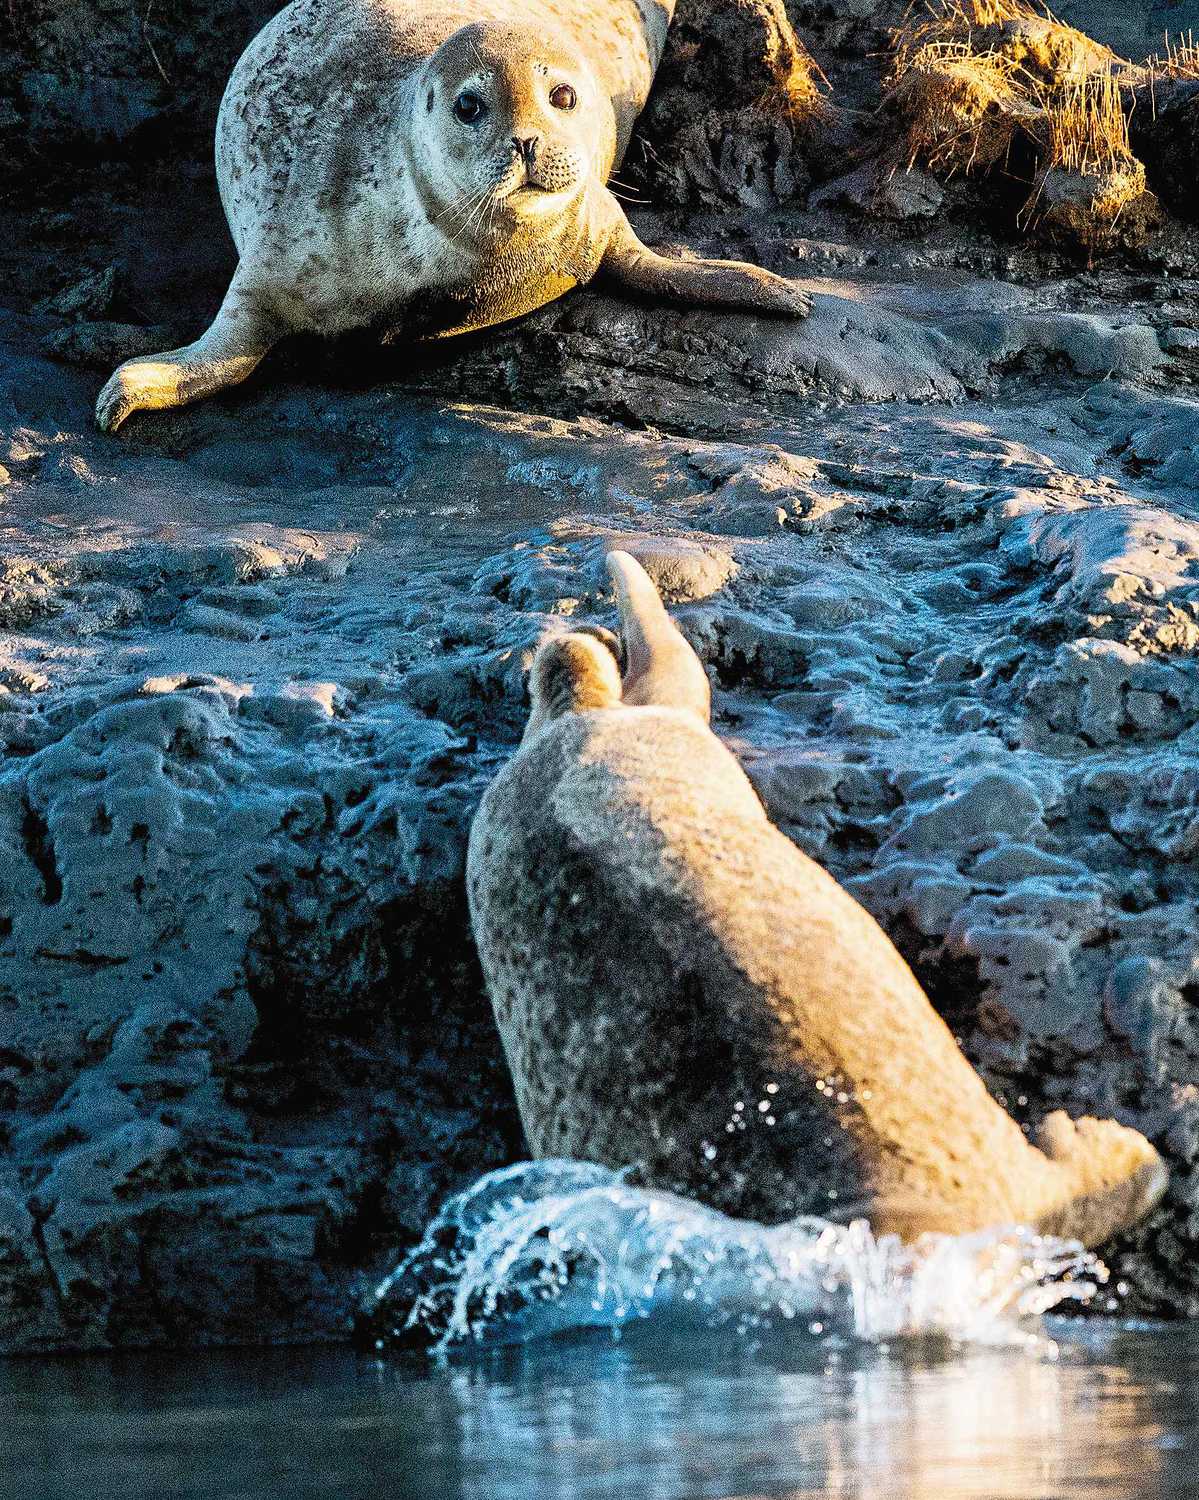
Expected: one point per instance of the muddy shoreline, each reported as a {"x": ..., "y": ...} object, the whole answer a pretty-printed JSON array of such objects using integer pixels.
[{"x": 939, "y": 549}]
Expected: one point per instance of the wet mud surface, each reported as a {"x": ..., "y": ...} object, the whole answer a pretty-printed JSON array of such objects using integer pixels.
[{"x": 258, "y": 658}]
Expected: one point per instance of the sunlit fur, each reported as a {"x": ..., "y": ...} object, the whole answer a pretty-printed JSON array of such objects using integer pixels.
[
  {"x": 358, "y": 198},
  {"x": 664, "y": 963}
]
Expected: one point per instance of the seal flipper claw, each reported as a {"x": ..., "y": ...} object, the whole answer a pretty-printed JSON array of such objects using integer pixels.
[
  {"x": 660, "y": 667},
  {"x": 703, "y": 283},
  {"x": 229, "y": 351}
]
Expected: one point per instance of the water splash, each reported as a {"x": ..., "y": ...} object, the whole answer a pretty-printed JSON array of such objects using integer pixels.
[{"x": 544, "y": 1247}]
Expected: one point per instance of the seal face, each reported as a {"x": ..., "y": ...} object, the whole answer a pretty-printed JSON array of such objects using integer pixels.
[
  {"x": 428, "y": 167},
  {"x": 679, "y": 989},
  {"x": 528, "y": 124}
]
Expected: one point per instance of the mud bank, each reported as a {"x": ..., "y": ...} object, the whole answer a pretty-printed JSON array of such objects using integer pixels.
[{"x": 258, "y": 659}]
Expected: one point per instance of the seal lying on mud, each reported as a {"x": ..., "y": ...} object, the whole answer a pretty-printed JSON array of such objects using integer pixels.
[
  {"x": 427, "y": 167},
  {"x": 678, "y": 987}
]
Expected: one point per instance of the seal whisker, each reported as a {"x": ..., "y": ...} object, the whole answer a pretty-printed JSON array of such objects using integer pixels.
[
  {"x": 480, "y": 208},
  {"x": 457, "y": 212}
]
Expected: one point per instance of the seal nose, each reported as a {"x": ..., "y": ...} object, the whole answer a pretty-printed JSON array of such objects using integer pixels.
[{"x": 526, "y": 147}]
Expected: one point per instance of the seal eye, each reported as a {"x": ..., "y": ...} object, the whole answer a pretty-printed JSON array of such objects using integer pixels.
[
  {"x": 563, "y": 97},
  {"x": 469, "y": 108}
]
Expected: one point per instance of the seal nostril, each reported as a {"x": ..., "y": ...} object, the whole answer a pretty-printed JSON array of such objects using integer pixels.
[{"x": 526, "y": 146}]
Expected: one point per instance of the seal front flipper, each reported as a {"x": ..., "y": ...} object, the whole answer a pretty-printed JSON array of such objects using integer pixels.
[
  {"x": 232, "y": 348},
  {"x": 703, "y": 283}
]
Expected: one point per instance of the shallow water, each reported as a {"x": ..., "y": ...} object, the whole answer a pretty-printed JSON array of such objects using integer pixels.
[
  {"x": 597, "y": 1340},
  {"x": 1114, "y": 1415}
]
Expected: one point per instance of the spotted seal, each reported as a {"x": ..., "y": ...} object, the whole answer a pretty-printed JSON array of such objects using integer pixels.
[
  {"x": 425, "y": 168},
  {"x": 680, "y": 989}
]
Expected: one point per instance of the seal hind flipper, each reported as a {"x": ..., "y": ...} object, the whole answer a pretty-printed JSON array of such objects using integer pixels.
[
  {"x": 733, "y": 284},
  {"x": 660, "y": 667},
  {"x": 1115, "y": 1177}
]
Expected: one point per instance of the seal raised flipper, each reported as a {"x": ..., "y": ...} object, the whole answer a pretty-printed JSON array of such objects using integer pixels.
[
  {"x": 679, "y": 988},
  {"x": 660, "y": 667}
]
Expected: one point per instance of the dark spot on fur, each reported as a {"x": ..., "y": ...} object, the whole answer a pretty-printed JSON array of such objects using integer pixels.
[{"x": 429, "y": 102}]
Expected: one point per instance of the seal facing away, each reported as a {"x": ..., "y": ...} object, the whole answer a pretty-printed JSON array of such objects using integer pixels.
[
  {"x": 680, "y": 989},
  {"x": 427, "y": 167}
]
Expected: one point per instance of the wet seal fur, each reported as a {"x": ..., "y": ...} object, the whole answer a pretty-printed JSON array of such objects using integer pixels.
[
  {"x": 424, "y": 168},
  {"x": 680, "y": 989}
]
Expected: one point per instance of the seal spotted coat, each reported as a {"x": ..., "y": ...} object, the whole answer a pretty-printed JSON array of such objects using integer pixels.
[
  {"x": 679, "y": 989},
  {"x": 424, "y": 168}
]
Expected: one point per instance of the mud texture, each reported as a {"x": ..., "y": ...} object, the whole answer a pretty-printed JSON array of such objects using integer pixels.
[{"x": 938, "y": 547}]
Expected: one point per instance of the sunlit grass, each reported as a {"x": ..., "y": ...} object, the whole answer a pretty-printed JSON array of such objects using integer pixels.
[
  {"x": 1179, "y": 58},
  {"x": 970, "y": 78},
  {"x": 962, "y": 107}
]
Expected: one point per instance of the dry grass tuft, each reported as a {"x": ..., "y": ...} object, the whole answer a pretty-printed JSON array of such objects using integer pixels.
[
  {"x": 972, "y": 76},
  {"x": 962, "y": 108},
  {"x": 1084, "y": 124},
  {"x": 1180, "y": 59},
  {"x": 1090, "y": 187},
  {"x": 955, "y": 22},
  {"x": 1029, "y": 37},
  {"x": 798, "y": 90}
]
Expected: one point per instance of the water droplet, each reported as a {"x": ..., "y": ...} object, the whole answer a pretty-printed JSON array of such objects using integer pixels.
[
  {"x": 816, "y": 1328},
  {"x": 763, "y": 1106},
  {"x": 842, "y": 1097},
  {"x": 772, "y": 1088},
  {"x": 709, "y": 1151}
]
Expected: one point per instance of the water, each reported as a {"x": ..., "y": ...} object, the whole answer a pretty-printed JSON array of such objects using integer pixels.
[
  {"x": 590, "y": 1418},
  {"x": 594, "y": 1341},
  {"x": 546, "y": 1247}
]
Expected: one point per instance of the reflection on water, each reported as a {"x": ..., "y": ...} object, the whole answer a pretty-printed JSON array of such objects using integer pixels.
[{"x": 649, "y": 1415}]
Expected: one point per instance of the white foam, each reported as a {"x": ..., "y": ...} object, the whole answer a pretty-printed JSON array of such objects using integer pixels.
[{"x": 544, "y": 1247}]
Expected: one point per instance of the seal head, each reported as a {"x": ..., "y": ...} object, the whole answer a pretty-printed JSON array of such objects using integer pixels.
[
  {"x": 512, "y": 128},
  {"x": 571, "y": 674}
]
